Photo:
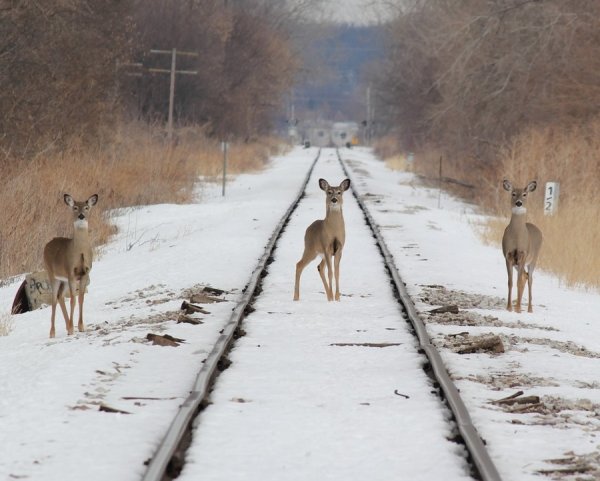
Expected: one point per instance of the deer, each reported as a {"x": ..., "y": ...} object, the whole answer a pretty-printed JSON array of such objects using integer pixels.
[
  {"x": 68, "y": 263},
  {"x": 326, "y": 237},
  {"x": 521, "y": 244}
]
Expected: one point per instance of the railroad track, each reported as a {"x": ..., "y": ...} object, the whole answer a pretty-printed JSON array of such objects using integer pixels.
[{"x": 168, "y": 460}]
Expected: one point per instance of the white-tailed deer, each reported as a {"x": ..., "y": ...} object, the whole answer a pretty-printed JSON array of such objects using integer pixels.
[
  {"x": 68, "y": 263},
  {"x": 326, "y": 238},
  {"x": 521, "y": 244}
]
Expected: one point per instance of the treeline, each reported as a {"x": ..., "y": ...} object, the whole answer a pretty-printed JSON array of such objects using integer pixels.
[
  {"x": 504, "y": 89},
  {"x": 468, "y": 76},
  {"x": 70, "y": 69}
]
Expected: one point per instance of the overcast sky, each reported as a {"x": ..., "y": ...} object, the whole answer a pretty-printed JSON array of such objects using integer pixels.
[{"x": 357, "y": 12}]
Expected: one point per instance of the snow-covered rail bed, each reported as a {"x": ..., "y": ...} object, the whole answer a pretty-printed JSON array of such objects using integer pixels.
[
  {"x": 326, "y": 390},
  {"x": 96, "y": 405},
  {"x": 316, "y": 389},
  {"x": 551, "y": 356}
]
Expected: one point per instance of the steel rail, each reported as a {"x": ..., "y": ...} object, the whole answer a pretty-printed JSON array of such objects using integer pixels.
[
  {"x": 481, "y": 459},
  {"x": 158, "y": 466}
]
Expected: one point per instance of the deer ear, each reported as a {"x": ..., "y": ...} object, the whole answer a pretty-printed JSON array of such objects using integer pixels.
[
  {"x": 345, "y": 185},
  {"x": 69, "y": 200},
  {"x": 507, "y": 185},
  {"x": 532, "y": 186},
  {"x": 323, "y": 184},
  {"x": 92, "y": 200}
]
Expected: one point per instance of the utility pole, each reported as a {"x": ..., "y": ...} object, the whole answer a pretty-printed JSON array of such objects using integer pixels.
[
  {"x": 172, "y": 71},
  {"x": 224, "y": 147},
  {"x": 292, "y": 121},
  {"x": 293, "y": 107},
  {"x": 369, "y": 120}
]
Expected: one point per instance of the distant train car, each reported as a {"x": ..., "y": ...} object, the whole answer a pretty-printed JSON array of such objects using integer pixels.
[
  {"x": 331, "y": 134},
  {"x": 319, "y": 137},
  {"x": 344, "y": 133}
]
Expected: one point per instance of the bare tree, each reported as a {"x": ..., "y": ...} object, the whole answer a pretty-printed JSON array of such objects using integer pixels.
[
  {"x": 470, "y": 74},
  {"x": 245, "y": 62},
  {"x": 57, "y": 71}
]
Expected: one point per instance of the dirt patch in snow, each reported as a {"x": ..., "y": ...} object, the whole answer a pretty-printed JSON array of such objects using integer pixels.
[
  {"x": 568, "y": 347},
  {"x": 511, "y": 380},
  {"x": 358, "y": 169},
  {"x": 440, "y": 296},
  {"x": 201, "y": 294},
  {"x": 569, "y": 409},
  {"x": 154, "y": 321},
  {"x": 151, "y": 295},
  {"x": 375, "y": 198},
  {"x": 464, "y": 343},
  {"x": 158, "y": 321},
  {"x": 100, "y": 386},
  {"x": 558, "y": 412},
  {"x": 456, "y": 342},
  {"x": 574, "y": 467},
  {"x": 467, "y": 318}
]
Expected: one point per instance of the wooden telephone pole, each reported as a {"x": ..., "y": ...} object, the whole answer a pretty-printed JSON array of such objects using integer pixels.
[{"x": 172, "y": 71}]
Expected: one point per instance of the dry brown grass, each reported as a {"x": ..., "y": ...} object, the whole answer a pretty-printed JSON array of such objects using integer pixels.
[
  {"x": 6, "y": 324},
  {"x": 571, "y": 157},
  {"x": 137, "y": 167},
  {"x": 570, "y": 236},
  {"x": 570, "y": 242},
  {"x": 389, "y": 149},
  {"x": 388, "y": 146}
]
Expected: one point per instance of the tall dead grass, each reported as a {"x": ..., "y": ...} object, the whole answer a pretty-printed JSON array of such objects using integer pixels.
[
  {"x": 137, "y": 167},
  {"x": 388, "y": 148},
  {"x": 6, "y": 324},
  {"x": 569, "y": 156}
]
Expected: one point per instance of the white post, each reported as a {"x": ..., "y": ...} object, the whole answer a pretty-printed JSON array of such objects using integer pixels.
[
  {"x": 551, "y": 198},
  {"x": 224, "y": 148},
  {"x": 368, "y": 126}
]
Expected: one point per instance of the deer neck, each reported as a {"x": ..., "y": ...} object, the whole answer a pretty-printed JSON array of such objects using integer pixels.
[
  {"x": 518, "y": 220},
  {"x": 81, "y": 238},
  {"x": 334, "y": 215}
]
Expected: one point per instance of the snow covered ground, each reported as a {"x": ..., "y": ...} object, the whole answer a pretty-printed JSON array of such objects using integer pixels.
[
  {"x": 552, "y": 353},
  {"x": 50, "y": 390},
  {"x": 308, "y": 395}
]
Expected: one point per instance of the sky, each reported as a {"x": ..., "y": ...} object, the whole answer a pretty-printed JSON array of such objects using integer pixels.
[{"x": 358, "y": 12}]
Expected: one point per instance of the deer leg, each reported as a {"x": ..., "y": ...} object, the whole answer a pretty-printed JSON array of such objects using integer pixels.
[
  {"x": 520, "y": 289},
  {"x": 80, "y": 299},
  {"x": 52, "y": 329},
  {"x": 336, "y": 264},
  {"x": 520, "y": 279},
  {"x": 61, "y": 301},
  {"x": 299, "y": 268},
  {"x": 321, "y": 269},
  {"x": 72, "y": 306},
  {"x": 301, "y": 264},
  {"x": 529, "y": 285},
  {"x": 329, "y": 276},
  {"x": 56, "y": 288},
  {"x": 509, "y": 270}
]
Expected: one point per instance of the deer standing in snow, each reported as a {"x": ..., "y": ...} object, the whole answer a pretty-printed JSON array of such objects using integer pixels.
[
  {"x": 521, "y": 244},
  {"x": 68, "y": 263},
  {"x": 325, "y": 237}
]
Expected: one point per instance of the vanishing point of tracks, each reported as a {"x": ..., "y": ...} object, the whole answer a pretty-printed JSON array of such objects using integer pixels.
[{"x": 169, "y": 457}]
